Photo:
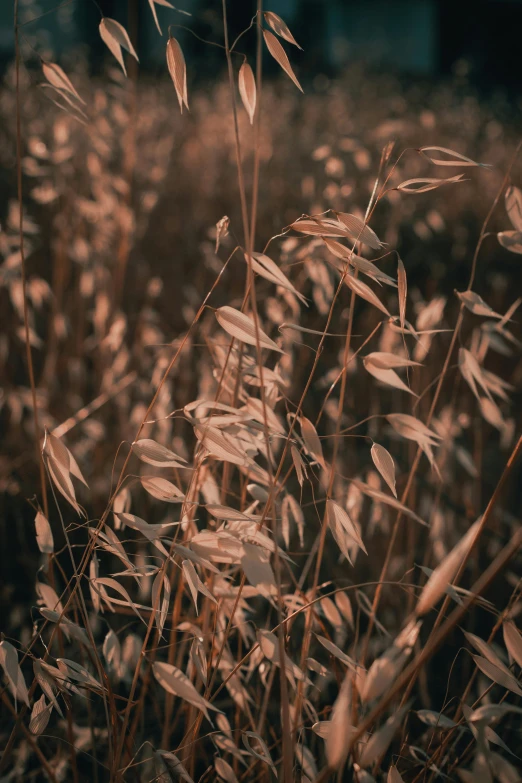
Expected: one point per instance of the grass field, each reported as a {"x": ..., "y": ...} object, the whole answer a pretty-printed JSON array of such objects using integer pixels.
[{"x": 260, "y": 414}]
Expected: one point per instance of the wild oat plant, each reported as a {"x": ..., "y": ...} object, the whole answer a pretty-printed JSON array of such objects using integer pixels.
[{"x": 293, "y": 557}]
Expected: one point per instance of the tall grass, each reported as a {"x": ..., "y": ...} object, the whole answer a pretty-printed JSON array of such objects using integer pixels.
[{"x": 266, "y": 352}]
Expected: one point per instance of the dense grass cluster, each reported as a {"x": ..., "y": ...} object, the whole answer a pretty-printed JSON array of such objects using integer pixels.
[{"x": 264, "y": 521}]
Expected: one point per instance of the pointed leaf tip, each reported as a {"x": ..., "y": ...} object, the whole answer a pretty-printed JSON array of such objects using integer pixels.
[
  {"x": 247, "y": 90},
  {"x": 116, "y": 37},
  {"x": 178, "y": 71},
  {"x": 280, "y": 56}
]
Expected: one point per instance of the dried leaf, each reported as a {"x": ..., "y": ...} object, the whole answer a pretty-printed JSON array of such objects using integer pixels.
[
  {"x": 505, "y": 679},
  {"x": 108, "y": 540},
  {"x": 63, "y": 483},
  {"x": 174, "y": 681},
  {"x": 59, "y": 79},
  {"x": 112, "y": 651},
  {"x": 299, "y": 465},
  {"x": 247, "y": 90},
  {"x": 165, "y": 4},
  {"x": 476, "y": 304},
  {"x": 61, "y": 465},
  {"x": 394, "y": 775},
  {"x": 343, "y": 604},
  {"x": 332, "y": 613},
  {"x": 388, "y": 377},
  {"x": 358, "y": 230},
  {"x": 40, "y": 715},
  {"x": 115, "y": 36},
  {"x": 222, "y": 227},
  {"x": 338, "y": 516},
  {"x": 265, "y": 267},
  {"x": 224, "y": 770},
  {"x": 424, "y": 184},
  {"x": 107, "y": 581},
  {"x": 160, "y": 605},
  {"x": 342, "y": 539},
  {"x": 387, "y": 361},
  {"x": 358, "y": 262},
  {"x": 453, "y": 159},
  {"x": 305, "y": 758},
  {"x": 258, "y": 493},
  {"x": 486, "y": 650},
  {"x": 489, "y": 712},
  {"x": 280, "y": 27},
  {"x": 290, "y": 504},
  {"x": 218, "y": 511},
  {"x": 382, "y": 497},
  {"x": 324, "y": 227},
  {"x": 55, "y": 448},
  {"x": 269, "y": 644},
  {"x": 435, "y": 719},
  {"x": 178, "y": 71},
  {"x": 79, "y": 115},
  {"x": 513, "y": 641},
  {"x": 44, "y": 535},
  {"x": 243, "y": 328},
  {"x": 514, "y": 206},
  {"x": 311, "y": 440},
  {"x": 73, "y": 671},
  {"x": 336, "y": 652},
  {"x": 472, "y": 372},
  {"x": 411, "y": 428},
  {"x": 174, "y": 766},
  {"x": 221, "y": 445},
  {"x": 47, "y": 684},
  {"x": 445, "y": 572},
  {"x": 13, "y": 672},
  {"x": 265, "y": 755},
  {"x": 198, "y": 660},
  {"x": 383, "y": 461},
  {"x": 365, "y": 292},
  {"x": 511, "y": 240},
  {"x": 491, "y": 413},
  {"x": 195, "y": 584},
  {"x": 49, "y": 596},
  {"x": 503, "y": 770},
  {"x": 153, "y": 453},
  {"x": 189, "y": 554},
  {"x": 68, "y": 627},
  {"x": 382, "y": 673},
  {"x": 385, "y": 669},
  {"x": 380, "y": 741},
  {"x": 280, "y": 56},
  {"x": 161, "y": 489},
  {"x": 339, "y": 728},
  {"x": 255, "y": 562}
]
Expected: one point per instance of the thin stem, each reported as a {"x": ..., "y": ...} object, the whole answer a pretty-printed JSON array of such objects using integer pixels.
[
  {"x": 287, "y": 745},
  {"x": 27, "y": 333}
]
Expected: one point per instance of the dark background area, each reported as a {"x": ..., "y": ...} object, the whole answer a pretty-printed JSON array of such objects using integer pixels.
[{"x": 434, "y": 38}]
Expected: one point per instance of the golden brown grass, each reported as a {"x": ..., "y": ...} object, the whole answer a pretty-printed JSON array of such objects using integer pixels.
[{"x": 286, "y": 544}]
